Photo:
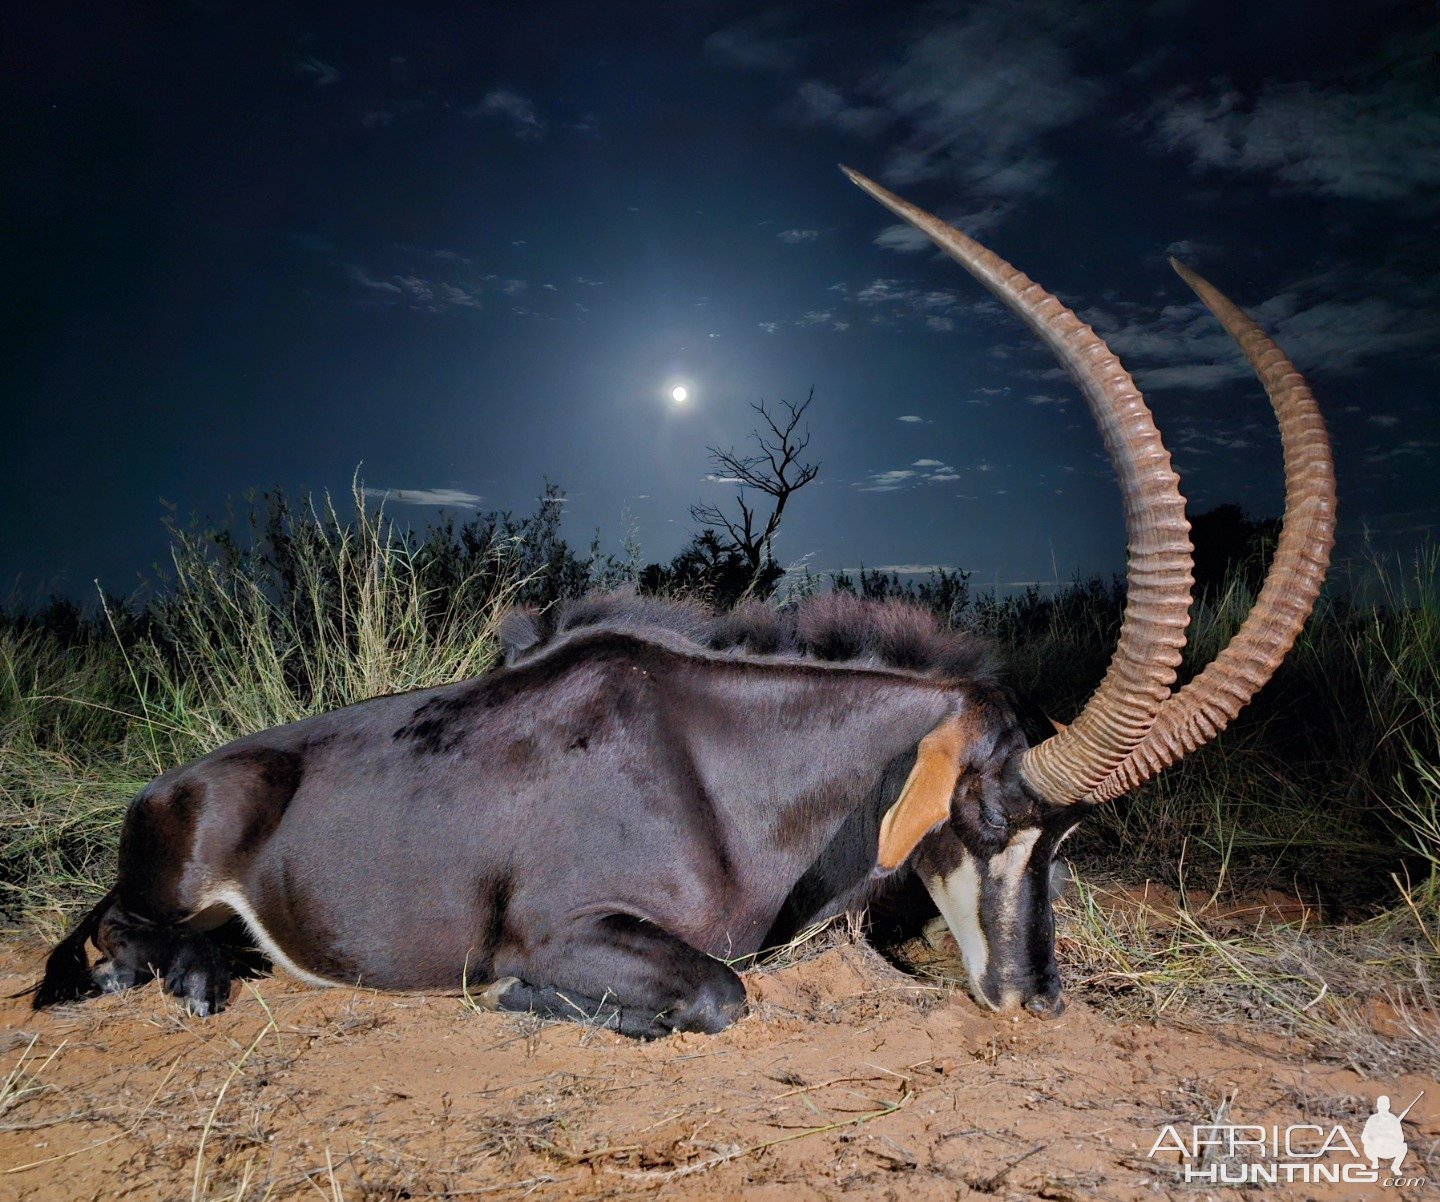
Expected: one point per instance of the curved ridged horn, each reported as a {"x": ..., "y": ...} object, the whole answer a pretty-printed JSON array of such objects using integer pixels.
[
  {"x": 1072, "y": 763},
  {"x": 1203, "y": 708}
]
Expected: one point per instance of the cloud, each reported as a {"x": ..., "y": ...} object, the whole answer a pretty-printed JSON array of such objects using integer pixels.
[
  {"x": 910, "y": 417},
  {"x": 817, "y": 103},
  {"x": 508, "y": 287},
  {"x": 900, "y": 293},
  {"x": 1385, "y": 420},
  {"x": 514, "y": 108},
  {"x": 1185, "y": 433},
  {"x": 452, "y": 295},
  {"x": 879, "y": 292},
  {"x": 970, "y": 97},
  {"x": 922, "y": 471},
  {"x": 1339, "y": 335},
  {"x": 378, "y": 119},
  {"x": 1322, "y": 323},
  {"x": 757, "y": 43},
  {"x": 886, "y": 481},
  {"x": 450, "y": 498},
  {"x": 935, "y": 300},
  {"x": 1195, "y": 376},
  {"x": 903, "y": 239},
  {"x": 1042, "y": 398},
  {"x": 358, "y": 275},
  {"x": 448, "y": 256},
  {"x": 1187, "y": 250},
  {"x": 815, "y": 317},
  {"x": 321, "y": 72},
  {"x": 418, "y": 293},
  {"x": 893, "y": 301},
  {"x": 795, "y": 237},
  {"x": 1379, "y": 143},
  {"x": 769, "y": 326},
  {"x": 1412, "y": 448},
  {"x": 421, "y": 292}
]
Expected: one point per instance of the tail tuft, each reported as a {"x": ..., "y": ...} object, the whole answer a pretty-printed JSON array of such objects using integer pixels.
[{"x": 67, "y": 971}]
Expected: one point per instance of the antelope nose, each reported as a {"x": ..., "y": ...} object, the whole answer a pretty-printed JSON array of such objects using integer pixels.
[{"x": 1047, "y": 1005}]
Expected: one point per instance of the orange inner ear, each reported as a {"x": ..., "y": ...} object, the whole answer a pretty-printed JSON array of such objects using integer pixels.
[{"x": 924, "y": 802}]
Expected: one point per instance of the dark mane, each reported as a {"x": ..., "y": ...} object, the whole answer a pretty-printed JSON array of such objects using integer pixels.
[{"x": 834, "y": 628}]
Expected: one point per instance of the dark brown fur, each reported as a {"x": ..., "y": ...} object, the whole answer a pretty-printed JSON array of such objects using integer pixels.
[{"x": 645, "y": 790}]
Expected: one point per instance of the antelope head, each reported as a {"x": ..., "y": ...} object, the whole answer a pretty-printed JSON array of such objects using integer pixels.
[{"x": 986, "y": 851}]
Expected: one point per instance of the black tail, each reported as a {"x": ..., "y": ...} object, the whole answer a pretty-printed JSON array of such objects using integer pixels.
[{"x": 67, "y": 971}]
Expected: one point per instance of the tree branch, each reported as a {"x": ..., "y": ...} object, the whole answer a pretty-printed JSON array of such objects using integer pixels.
[{"x": 776, "y": 472}]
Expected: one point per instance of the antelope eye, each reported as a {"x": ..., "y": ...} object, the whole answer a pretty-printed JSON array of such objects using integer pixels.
[{"x": 992, "y": 814}]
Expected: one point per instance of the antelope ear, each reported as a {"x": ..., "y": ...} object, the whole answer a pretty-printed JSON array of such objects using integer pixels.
[{"x": 924, "y": 802}]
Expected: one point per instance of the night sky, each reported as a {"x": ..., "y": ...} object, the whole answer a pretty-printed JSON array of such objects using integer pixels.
[{"x": 474, "y": 246}]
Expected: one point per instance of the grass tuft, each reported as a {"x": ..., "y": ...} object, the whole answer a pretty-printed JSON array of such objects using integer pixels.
[
  {"x": 1327, "y": 787},
  {"x": 318, "y": 613}
]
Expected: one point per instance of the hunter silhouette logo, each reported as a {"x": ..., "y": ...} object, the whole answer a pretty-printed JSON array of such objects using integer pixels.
[
  {"x": 1301, "y": 1153},
  {"x": 1383, "y": 1137}
]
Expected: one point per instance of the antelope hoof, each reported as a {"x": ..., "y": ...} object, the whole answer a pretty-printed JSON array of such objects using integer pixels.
[{"x": 489, "y": 997}]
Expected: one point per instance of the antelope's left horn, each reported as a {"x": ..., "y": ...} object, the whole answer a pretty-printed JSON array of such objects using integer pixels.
[{"x": 1072, "y": 763}]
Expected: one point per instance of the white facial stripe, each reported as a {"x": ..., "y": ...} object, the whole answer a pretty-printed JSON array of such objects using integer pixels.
[
  {"x": 958, "y": 898},
  {"x": 1007, "y": 870},
  {"x": 229, "y": 894}
]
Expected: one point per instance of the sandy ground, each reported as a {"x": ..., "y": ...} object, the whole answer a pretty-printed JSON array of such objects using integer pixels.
[{"x": 848, "y": 1076}]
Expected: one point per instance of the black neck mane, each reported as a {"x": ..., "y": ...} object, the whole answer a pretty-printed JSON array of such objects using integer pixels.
[{"x": 837, "y": 628}]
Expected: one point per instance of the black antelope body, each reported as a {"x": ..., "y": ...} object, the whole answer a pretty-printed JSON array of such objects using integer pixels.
[{"x": 644, "y": 792}]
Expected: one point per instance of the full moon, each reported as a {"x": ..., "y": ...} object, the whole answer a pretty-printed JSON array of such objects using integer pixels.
[{"x": 679, "y": 394}]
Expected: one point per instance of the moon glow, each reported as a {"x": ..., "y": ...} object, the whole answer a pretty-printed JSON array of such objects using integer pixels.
[{"x": 679, "y": 394}]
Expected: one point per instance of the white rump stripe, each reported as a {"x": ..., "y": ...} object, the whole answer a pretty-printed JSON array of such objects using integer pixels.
[{"x": 229, "y": 895}]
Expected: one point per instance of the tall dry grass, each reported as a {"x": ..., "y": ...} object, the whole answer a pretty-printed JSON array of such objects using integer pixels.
[
  {"x": 323, "y": 612},
  {"x": 1328, "y": 786}
]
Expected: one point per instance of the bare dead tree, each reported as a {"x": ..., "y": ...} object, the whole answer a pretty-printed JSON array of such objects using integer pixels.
[{"x": 775, "y": 472}]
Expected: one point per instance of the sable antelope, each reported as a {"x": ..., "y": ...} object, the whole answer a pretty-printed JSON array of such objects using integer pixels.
[{"x": 642, "y": 793}]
